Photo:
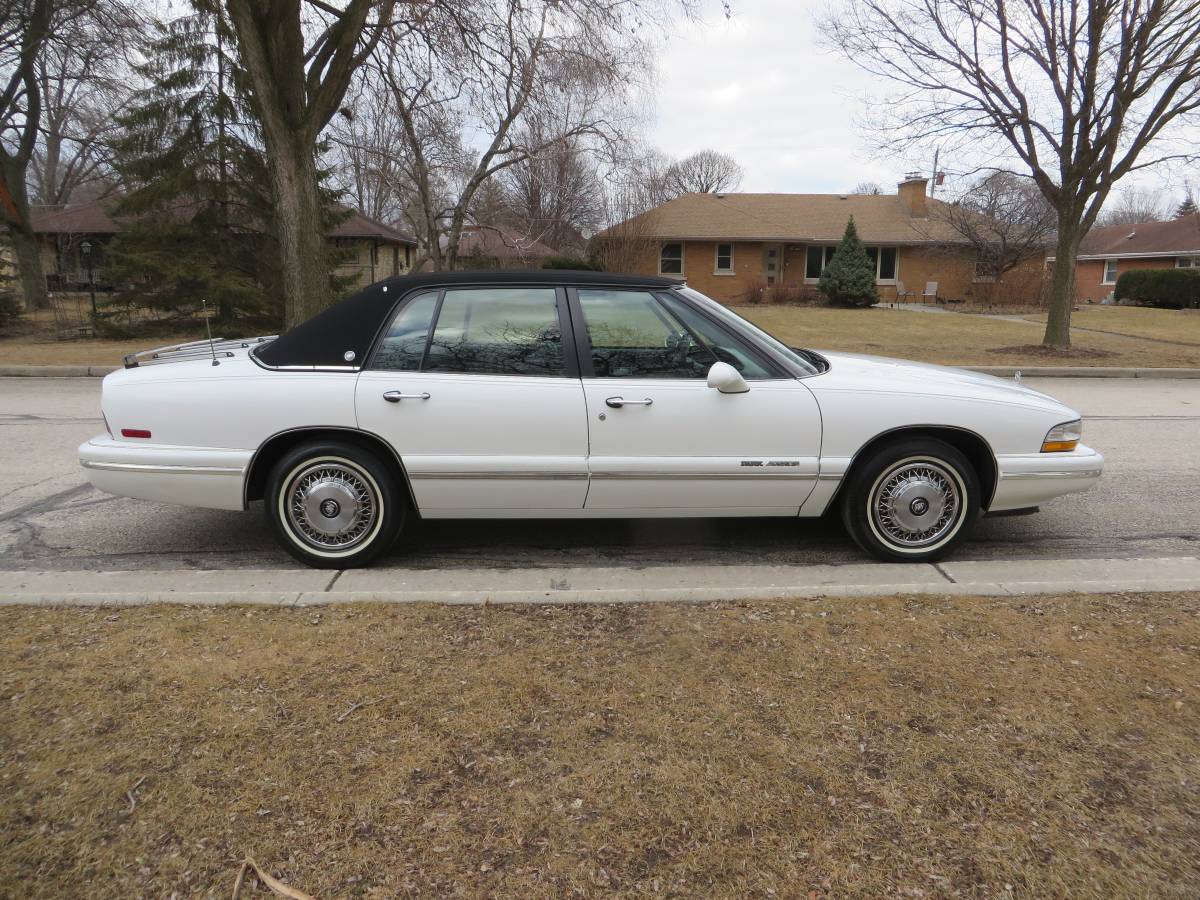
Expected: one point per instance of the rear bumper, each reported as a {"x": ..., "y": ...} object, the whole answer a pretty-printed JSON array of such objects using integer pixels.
[
  {"x": 1032, "y": 479},
  {"x": 190, "y": 476}
]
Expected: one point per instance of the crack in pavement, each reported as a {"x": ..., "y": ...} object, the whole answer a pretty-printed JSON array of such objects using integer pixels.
[{"x": 46, "y": 503}]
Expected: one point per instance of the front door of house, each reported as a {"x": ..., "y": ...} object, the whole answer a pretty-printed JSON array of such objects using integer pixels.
[{"x": 773, "y": 263}]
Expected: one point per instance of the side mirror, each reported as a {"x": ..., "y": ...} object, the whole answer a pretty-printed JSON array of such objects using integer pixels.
[{"x": 726, "y": 379}]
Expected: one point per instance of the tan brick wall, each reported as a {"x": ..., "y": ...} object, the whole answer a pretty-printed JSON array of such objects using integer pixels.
[
  {"x": 915, "y": 267},
  {"x": 1089, "y": 275}
]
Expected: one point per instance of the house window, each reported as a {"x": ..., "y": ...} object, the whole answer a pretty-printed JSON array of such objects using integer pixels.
[
  {"x": 724, "y": 263},
  {"x": 883, "y": 258},
  {"x": 887, "y": 264},
  {"x": 1187, "y": 262},
  {"x": 813, "y": 263},
  {"x": 984, "y": 272},
  {"x": 1110, "y": 271},
  {"x": 670, "y": 259}
]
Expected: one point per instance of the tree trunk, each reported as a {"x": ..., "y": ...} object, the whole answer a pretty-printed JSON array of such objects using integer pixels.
[
  {"x": 14, "y": 205},
  {"x": 1062, "y": 284},
  {"x": 302, "y": 253}
]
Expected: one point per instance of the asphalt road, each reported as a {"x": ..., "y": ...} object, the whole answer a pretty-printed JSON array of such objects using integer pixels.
[{"x": 1147, "y": 504}]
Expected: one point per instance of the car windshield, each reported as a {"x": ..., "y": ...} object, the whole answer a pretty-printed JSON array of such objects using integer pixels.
[{"x": 801, "y": 362}]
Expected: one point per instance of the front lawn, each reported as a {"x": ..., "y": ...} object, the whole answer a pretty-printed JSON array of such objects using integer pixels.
[
  {"x": 1142, "y": 337},
  {"x": 1001, "y": 747},
  {"x": 977, "y": 340}
]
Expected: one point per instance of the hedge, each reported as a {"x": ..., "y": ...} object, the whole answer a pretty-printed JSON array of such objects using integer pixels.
[{"x": 1169, "y": 288}]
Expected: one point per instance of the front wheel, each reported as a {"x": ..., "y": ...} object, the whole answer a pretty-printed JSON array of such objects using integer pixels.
[
  {"x": 333, "y": 505},
  {"x": 911, "y": 501}
]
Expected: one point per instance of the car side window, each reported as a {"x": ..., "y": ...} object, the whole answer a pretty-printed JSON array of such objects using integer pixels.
[
  {"x": 723, "y": 345},
  {"x": 403, "y": 347},
  {"x": 497, "y": 331},
  {"x": 633, "y": 336}
]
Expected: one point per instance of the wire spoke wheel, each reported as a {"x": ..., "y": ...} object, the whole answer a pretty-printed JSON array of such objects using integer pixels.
[
  {"x": 331, "y": 505},
  {"x": 917, "y": 504}
]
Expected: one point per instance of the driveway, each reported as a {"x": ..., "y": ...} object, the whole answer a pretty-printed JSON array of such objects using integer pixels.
[{"x": 51, "y": 520}]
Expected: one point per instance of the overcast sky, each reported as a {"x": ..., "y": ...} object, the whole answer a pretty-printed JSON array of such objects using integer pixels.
[{"x": 759, "y": 87}]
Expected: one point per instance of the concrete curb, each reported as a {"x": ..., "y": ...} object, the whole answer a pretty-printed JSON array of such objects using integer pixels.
[
  {"x": 1001, "y": 371},
  {"x": 661, "y": 584},
  {"x": 1082, "y": 372}
]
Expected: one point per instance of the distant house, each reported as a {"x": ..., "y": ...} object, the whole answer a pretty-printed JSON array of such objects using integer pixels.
[
  {"x": 726, "y": 245},
  {"x": 489, "y": 247},
  {"x": 369, "y": 250},
  {"x": 1107, "y": 252}
]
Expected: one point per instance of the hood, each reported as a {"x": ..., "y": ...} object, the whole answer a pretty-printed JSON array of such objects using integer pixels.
[{"x": 855, "y": 371}]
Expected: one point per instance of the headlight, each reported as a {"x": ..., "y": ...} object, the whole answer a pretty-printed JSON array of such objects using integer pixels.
[{"x": 1063, "y": 438}]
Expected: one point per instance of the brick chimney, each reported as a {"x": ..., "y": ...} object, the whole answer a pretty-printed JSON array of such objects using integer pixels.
[{"x": 912, "y": 195}]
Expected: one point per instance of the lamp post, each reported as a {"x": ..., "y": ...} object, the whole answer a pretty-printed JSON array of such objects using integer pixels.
[{"x": 85, "y": 247}]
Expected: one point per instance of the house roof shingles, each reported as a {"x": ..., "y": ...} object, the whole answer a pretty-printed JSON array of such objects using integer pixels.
[
  {"x": 1170, "y": 238},
  {"x": 796, "y": 218},
  {"x": 94, "y": 218}
]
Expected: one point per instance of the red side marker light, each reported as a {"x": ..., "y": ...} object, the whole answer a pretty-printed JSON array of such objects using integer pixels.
[{"x": 135, "y": 432}]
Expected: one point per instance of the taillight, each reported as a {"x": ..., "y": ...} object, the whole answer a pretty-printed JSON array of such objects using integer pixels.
[{"x": 135, "y": 432}]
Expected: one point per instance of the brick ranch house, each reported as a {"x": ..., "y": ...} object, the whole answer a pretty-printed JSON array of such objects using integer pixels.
[
  {"x": 1107, "y": 252},
  {"x": 368, "y": 250},
  {"x": 726, "y": 245}
]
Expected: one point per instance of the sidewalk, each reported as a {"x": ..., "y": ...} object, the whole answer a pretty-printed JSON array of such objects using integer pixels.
[{"x": 310, "y": 587}]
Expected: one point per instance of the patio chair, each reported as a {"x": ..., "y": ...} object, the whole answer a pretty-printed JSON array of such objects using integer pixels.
[
  {"x": 931, "y": 292},
  {"x": 902, "y": 293}
]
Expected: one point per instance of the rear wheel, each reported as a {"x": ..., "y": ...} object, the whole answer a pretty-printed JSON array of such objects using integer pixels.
[
  {"x": 333, "y": 505},
  {"x": 911, "y": 501}
]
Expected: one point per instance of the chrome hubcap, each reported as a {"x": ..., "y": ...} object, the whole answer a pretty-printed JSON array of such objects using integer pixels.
[
  {"x": 916, "y": 504},
  {"x": 331, "y": 505}
]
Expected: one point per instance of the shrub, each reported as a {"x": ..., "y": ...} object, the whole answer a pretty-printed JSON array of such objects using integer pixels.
[
  {"x": 570, "y": 262},
  {"x": 849, "y": 277},
  {"x": 1168, "y": 288}
]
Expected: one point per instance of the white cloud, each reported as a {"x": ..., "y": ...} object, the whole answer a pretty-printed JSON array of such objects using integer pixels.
[{"x": 757, "y": 86}]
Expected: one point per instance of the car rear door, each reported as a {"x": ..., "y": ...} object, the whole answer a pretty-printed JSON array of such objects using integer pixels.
[
  {"x": 662, "y": 441},
  {"x": 480, "y": 396}
]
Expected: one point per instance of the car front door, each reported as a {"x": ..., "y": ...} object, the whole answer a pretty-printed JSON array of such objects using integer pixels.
[
  {"x": 662, "y": 441},
  {"x": 480, "y": 396}
]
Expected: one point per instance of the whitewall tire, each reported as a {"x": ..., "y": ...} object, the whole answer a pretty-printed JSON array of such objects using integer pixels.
[{"x": 334, "y": 505}]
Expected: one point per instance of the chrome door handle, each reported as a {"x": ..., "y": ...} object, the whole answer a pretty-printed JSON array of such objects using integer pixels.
[
  {"x": 618, "y": 402},
  {"x": 397, "y": 396}
]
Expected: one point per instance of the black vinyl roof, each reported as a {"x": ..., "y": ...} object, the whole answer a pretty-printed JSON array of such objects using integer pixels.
[{"x": 351, "y": 325}]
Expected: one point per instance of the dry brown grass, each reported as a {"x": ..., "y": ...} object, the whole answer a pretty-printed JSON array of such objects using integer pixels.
[
  {"x": 1028, "y": 747},
  {"x": 969, "y": 340},
  {"x": 1179, "y": 325}
]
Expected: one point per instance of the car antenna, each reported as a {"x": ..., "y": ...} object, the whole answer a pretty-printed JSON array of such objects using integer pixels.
[{"x": 208, "y": 327}]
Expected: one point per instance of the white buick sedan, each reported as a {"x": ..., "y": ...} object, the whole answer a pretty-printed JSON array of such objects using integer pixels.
[{"x": 558, "y": 394}]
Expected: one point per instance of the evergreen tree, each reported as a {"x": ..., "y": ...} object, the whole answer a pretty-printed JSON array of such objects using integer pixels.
[
  {"x": 196, "y": 216},
  {"x": 849, "y": 277},
  {"x": 1186, "y": 208}
]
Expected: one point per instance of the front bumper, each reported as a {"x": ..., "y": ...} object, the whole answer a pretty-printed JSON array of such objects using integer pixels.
[
  {"x": 1031, "y": 479},
  {"x": 189, "y": 476}
]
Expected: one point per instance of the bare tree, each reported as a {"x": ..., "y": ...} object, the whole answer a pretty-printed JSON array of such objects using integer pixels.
[
  {"x": 553, "y": 196},
  {"x": 1004, "y": 220},
  {"x": 868, "y": 188},
  {"x": 1083, "y": 93},
  {"x": 1132, "y": 206},
  {"x": 481, "y": 86},
  {"x": 26, "y": 28},
  {"x": 706, "y": 172},
  {"x": 299, "y": 57},
  {"x": 85, "y": 79},
  {"x": 632, "y": 189}
]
